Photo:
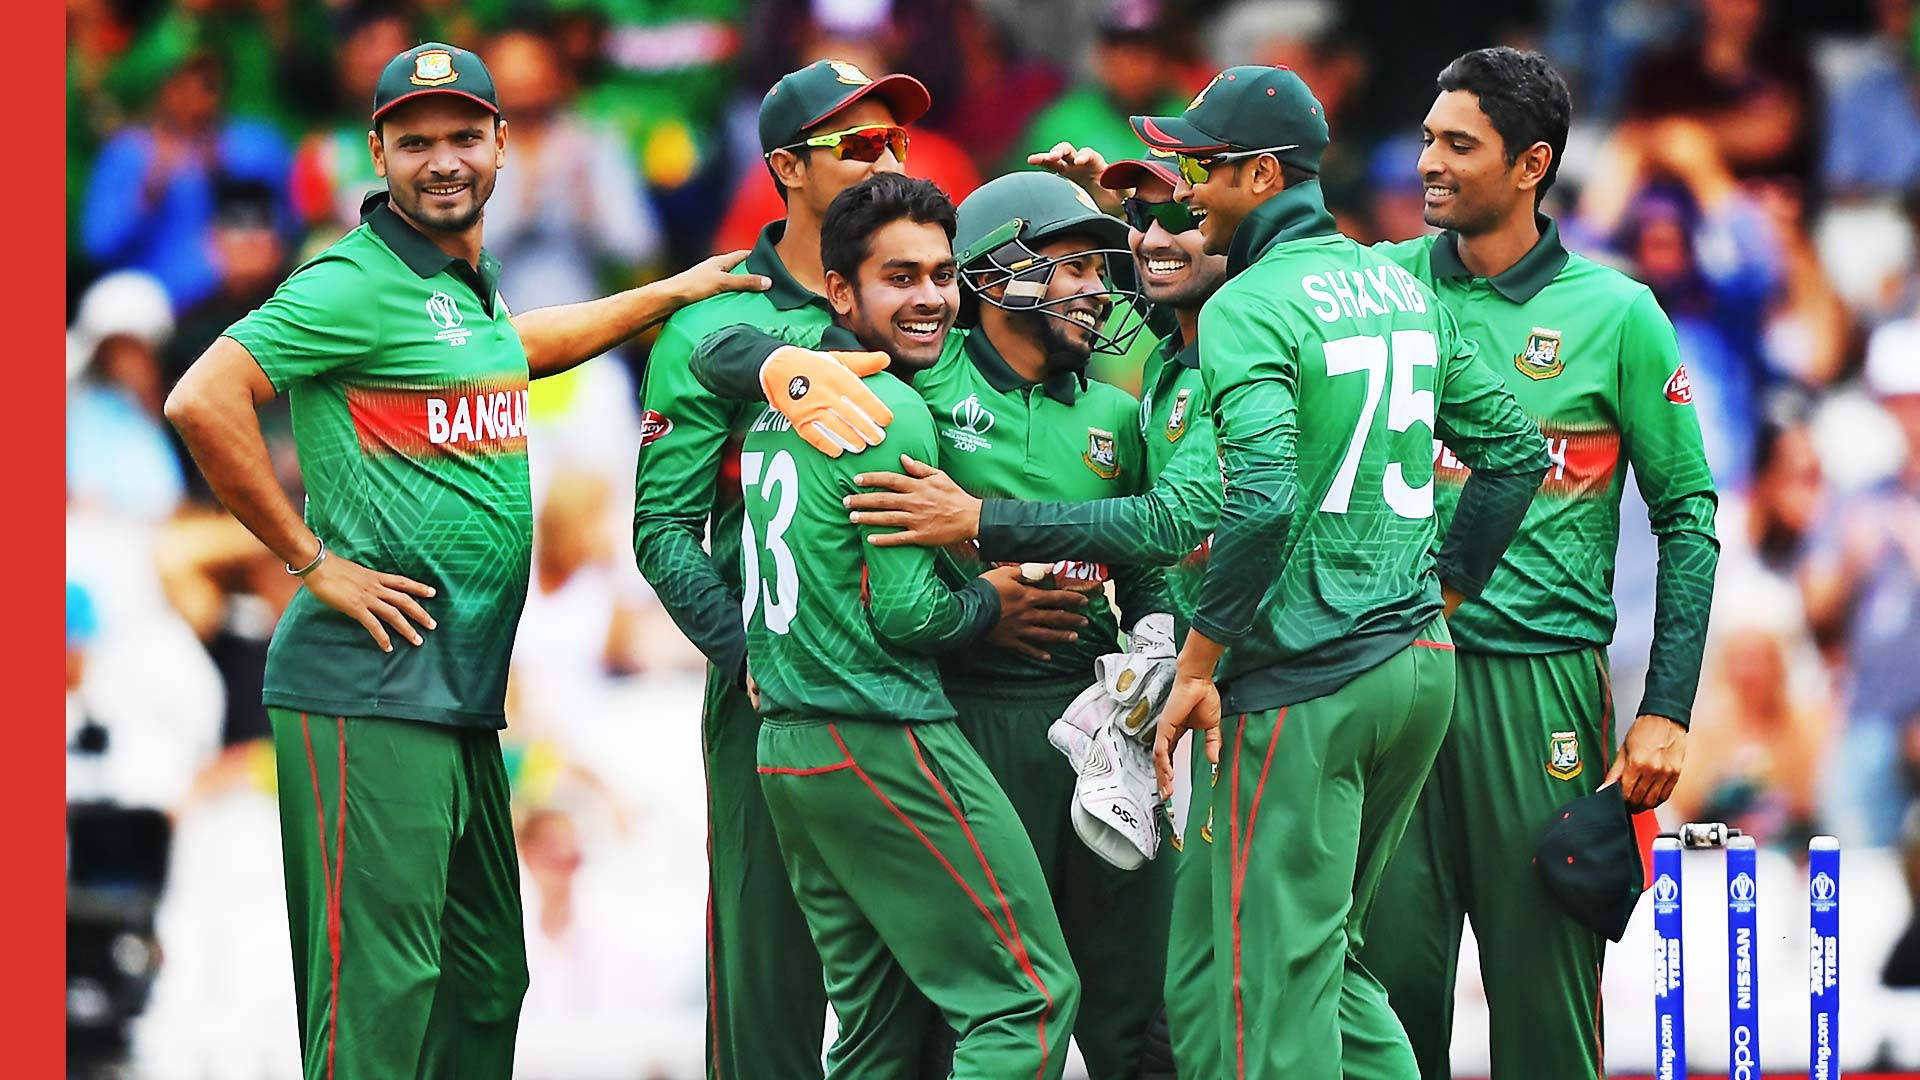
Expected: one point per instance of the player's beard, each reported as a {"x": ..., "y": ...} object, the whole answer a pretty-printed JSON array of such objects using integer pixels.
[
  {"x": 1465, "y": 215},
  {"x": 458, "y": 219},
  {"x": 1065, "y": 343}
]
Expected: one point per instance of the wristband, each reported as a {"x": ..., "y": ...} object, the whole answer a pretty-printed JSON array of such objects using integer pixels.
[{"x": 309, "y": 568}]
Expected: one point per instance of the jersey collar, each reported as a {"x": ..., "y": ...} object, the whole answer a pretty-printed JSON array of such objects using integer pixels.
[
  {"x": 1297, "y": 212},
  {"x": 424, "y": 257},
  {"x": 786, "y": 293},
  {"x": 1520, "y": 282},
  {"x": 1061, "y": 386}
]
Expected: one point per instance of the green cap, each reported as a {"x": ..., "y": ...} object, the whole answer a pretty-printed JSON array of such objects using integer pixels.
[
  {"x": 1245, "y": 108},
  {"x": 1592, "y": 859},
  {"x": 434, "y": 68},
  {"x": 804, "y": 98}
]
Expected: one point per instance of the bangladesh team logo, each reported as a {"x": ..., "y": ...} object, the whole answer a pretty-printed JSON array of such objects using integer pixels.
[
  {"x": 1541, "y": 358},
  {"x": 847, "y": 73},
  {"x": 1563, "y": 758},
  {"x": 1102, "y": 456},
  {"x": 1177, "y": 418},
  {"x": 433, "y": 68}
]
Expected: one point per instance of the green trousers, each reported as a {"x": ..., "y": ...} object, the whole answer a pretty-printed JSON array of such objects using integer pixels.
[
  {"x": 1312, "y": 802},
  {"x": 403, "y": 897},
  {"x": 919, "y": 885},
  {"x": 1529, "y": 734},
  {"x": 1116, "y": 921},
  {"x": 766, "y": 1003},
  {"x": 1193, "y": 1016}
]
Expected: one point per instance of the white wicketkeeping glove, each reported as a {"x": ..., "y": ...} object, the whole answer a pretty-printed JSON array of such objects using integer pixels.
[
  {"x": 1115, "y": 806},
  {"x": 1107, "y": 735}
]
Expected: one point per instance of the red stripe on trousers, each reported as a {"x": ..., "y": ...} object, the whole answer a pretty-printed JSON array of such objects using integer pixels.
[
  {"x": 713, "y": 1012},
  {"x": 1020, "y": 954},
  {"x": 1233, "y": 891},
  {"x": 928, "y": 844},
  {"x": 773, "y": 770},
  {"x": 1425, "y": 644},
  {"x": 332, "y": 879},
  {"x": 1599, "y": 1033},
  {"x": 1240, "y": 879}
]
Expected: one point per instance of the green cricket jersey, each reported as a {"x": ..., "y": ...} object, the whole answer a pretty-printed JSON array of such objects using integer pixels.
[
  {"x": 837, "y": 626},
  {"x": 1167, "y": 524},
  {"x": 688, "y": 472},
  {"x": 1593, "y": 360},
  {"x": 1330, "y": 370},
  {"x": 999, "y": 436},
  {"x": 408, "y": 388}
]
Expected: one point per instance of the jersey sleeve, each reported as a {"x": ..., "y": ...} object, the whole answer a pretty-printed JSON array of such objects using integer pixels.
[
  {"x": 319, "y": 320},
  {"x": 1660, "y": 435},
  {"x": 1157, "y": 527},
  {"x": 1139, "y": 587},
  {"x": 1485, "y": 427},
  {"x": 908, "y": 602},
  {"x": 727, "y": 362},
  {"x": 1253, "y": 379},
  {"x": 673, "y": 494}
]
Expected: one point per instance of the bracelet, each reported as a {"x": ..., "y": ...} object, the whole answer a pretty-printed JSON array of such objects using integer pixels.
[{"x": 317, "y": 560}]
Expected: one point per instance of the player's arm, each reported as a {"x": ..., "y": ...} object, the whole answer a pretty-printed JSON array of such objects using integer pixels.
[
  {"x": 317, "y": 321},
  {"x": 1254, "y": 388},
  {"x": 567, "y": 335},
  {"x": 819, "y": 392},
  {"x": 1140, "y": 588},
  {"x": 673, "y": 495},
  {"x": 908, "y": 602},
  {"x": 1485, "y": 428},
  {"x": 1157, "y": 527},
  {"x": 1660, "y": 436}
]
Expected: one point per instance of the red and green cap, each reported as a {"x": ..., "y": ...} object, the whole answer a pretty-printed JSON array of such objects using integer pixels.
[
  {"x": 1245, "y": 108},
  {"x": 1131, "y": 173},
  {"x": 434, "y": 68},
  {"x": 804, "y": 98}
]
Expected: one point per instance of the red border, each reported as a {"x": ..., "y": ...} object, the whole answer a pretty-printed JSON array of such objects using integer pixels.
[{"x": 33, "y": 1007}]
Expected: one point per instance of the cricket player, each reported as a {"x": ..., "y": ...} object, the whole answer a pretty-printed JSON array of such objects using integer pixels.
[
  {"x": 823, "y": 128},
  {"x": 911, "y": 866},
  {"x": 1167, "y": 524},
  {"x": 1318, "y": 629},
  {"x": 408, "y": 381},
  {"x": 1017, "y": 417},
  {"x": 1592, "y": 359}
]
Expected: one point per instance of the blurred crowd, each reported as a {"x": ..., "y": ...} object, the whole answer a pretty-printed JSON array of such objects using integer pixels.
[{"x": 1756, "y": 162}]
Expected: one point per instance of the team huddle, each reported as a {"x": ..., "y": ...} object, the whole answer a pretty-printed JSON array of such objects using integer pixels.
[{"x": 962, "y": 603}]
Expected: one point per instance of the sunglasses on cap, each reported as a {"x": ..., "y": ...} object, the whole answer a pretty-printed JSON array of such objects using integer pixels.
[
  {"x": 1195, "y": 170},
  {"x": 1175, "y": 217},
  {"x": 864, "y": 143}
]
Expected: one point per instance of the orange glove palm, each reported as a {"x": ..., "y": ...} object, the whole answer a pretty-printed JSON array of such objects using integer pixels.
[{"x": 821, "y": 395}]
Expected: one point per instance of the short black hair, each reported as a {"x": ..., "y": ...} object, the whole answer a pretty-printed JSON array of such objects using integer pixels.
[
  {"x": 1524, "y": 97},
  {"x": 846, "y": 233}
]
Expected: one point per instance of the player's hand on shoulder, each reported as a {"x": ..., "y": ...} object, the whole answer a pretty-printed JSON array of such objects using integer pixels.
[
  {"x": 711, "y": 277},
  {"x": 1033, "y": 617},
  {"x": 375, "y": 600},
  {"x": 922, "y": 502},
  {"x": 821, "y": 395}
]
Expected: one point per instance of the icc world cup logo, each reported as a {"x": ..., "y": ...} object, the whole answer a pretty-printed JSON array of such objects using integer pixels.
[
  {"x": 1666, "y": 890},
  {"x": 1741, "y": 889},
  {"x": 443, "y": 311},
  {"x": 1822, "y": 888}
]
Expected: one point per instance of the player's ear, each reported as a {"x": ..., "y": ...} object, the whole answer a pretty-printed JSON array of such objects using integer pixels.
[
  {"x": 379, "y": 153},
  {"x": 499, "y": 142},
  {"x": 789, "y": 168},
  {"x": 1265, "y": 178},
  {"x": 1531, "y": 167},
  {"x": 839, "y": 293}
]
